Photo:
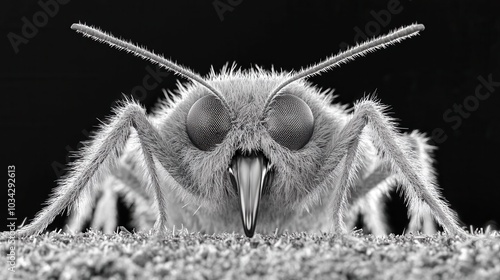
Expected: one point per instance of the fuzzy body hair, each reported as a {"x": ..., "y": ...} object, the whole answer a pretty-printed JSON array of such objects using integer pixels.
[
  {"x": 207, "y": 184},
  {"x": 205, "y": 200}
]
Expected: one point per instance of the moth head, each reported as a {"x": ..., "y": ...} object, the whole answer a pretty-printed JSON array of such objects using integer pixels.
[
  {"x": 239, "y": 139},
  {"x": 275, "y": 142}
]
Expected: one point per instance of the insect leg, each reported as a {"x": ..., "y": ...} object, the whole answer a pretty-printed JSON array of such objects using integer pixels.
[
  {"x": 395, "y": 150},
  {"x": 98, "y": 158},
  {"x": 418, "y": 189},
  {"x": 367, "y": 193},
  {"x": 130, "y": 186},
  {"x": 103, "y": 217},
  {"x": 420, "y": 218},
  {"x": 122, "y": 183},
  {"x": 367, "y": 198},
  {"x": 344, "y": 156},
  {"x": 77, "y": 219}
]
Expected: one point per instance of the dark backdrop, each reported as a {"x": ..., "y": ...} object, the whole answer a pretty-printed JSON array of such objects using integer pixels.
[{"x": 56, "y": 85}]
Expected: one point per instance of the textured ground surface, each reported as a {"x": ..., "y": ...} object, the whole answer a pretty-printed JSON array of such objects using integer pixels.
[{"x": 231, "y": 256}]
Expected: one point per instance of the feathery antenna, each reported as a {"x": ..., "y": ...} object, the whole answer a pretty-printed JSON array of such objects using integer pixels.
[
  {"x": 372, "y": 45},
  {"x": 121, "y": 44}
]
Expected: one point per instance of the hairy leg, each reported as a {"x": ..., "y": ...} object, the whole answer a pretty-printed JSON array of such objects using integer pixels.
[
  {"x": 366, "y": 199},
  {"x": 103, "y": 216},
  {"x": 367, "y": 196},
  {"x": 129, "y": 183},
  {"x": 136, "y": 198},
  {"x": 421, "y": 218},
  {"x": 77, "y": 219},
  {"x": 98, "y": 159},
  {"x": 397, "y": 152},
  {"x": 142, "y": 208}
]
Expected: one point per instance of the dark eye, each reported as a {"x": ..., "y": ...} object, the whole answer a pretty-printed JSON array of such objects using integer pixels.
[
  {"x": 290, "y": 122},
  {"x": 207, "y": 123}
]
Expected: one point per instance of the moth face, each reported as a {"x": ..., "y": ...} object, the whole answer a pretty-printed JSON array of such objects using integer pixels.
[{"x": 253, "y": 157}]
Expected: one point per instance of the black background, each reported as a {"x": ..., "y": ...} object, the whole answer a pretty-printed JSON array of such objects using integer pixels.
[{"x": 60, "y": 84}]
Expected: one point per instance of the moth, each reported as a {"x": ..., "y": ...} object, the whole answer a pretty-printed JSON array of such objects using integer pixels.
[{"x": 252, "y": 150}]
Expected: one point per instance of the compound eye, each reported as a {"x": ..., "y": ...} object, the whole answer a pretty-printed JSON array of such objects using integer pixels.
[
  {"x": 290, "y": 122},
  {"x": 207, "y": 123}
]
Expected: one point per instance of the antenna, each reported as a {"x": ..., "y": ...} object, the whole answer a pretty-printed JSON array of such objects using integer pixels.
[
  {"x": 352, "y": 53},
  {"x": 120, "y": 44}
]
